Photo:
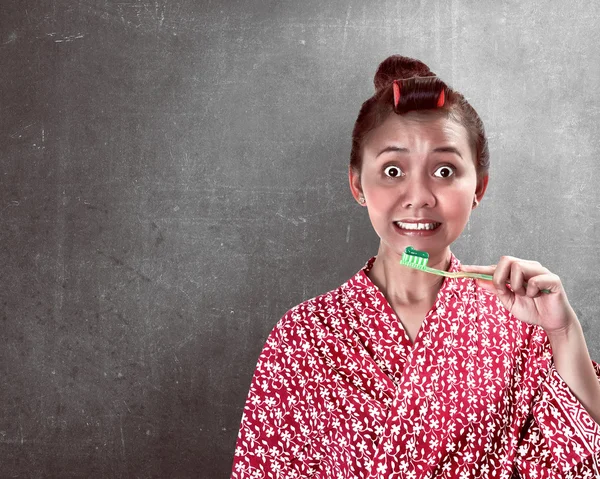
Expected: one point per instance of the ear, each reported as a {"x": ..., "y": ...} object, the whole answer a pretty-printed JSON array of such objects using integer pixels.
[
  {"x": 355, "y": 186},
  {"x": 481, "y": 187}
]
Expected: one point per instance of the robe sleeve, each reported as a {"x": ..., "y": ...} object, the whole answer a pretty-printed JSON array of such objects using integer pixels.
[
  {"x": 561, "y": 439},
  {"x": 283, "y": 411}
]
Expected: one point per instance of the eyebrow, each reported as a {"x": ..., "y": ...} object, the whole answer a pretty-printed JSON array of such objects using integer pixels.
[{"x": 441, "y": 149}]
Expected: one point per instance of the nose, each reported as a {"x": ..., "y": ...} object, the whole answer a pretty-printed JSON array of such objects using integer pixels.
[{"x": 417, "y": 193}]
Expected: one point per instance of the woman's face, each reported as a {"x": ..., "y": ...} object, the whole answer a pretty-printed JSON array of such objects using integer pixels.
[{"x": 418, "y": 171}]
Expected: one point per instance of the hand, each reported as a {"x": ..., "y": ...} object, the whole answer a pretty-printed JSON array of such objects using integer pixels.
[{"x": 551, "y": 311}]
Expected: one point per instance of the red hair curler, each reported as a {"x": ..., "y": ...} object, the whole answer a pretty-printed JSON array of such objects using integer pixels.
[
  {"x": 441, "y": 99},
  {"x": 396, "y": 87}
]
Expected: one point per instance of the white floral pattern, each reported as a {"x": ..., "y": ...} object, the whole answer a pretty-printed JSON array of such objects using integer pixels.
[{"x": 340, "y": 391}]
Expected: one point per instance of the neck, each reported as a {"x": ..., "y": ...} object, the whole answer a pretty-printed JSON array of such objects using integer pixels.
[{"x": 402, "y": 285}]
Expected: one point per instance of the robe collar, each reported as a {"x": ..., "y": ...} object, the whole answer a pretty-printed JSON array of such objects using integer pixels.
[{"x": 450, "y": 286}]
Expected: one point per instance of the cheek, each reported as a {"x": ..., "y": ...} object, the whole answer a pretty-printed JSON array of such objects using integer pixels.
[
  {"x": 459, "y": 203},
  {"x": 463, "y": 202},
  {"x": 379, "y": 200},
  {"x": 465, "y": 188},
  {"x": 465, "y": 207}
]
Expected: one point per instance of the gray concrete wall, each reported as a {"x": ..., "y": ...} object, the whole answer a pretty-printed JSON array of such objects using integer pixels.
[{"x": 173, "y": 178}]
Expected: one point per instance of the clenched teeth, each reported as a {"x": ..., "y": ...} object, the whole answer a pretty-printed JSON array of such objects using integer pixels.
[{"x": 417, "y": 226}]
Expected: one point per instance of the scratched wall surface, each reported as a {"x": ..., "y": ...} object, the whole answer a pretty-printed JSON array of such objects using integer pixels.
[{"x": 173, "y": 179}]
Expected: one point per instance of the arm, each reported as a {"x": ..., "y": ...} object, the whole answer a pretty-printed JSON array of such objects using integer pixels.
[
  {"x": 563, "y": 434},
  {"x": 561, "y": 439},
  {"x": 574, "y": 365},
  {"x": 275, "y": 430},
  {"x": 290, "y": 412},
  {"x": 553, "y": 313}
]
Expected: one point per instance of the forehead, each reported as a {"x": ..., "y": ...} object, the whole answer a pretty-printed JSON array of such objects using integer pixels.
[{"x": 418, "y": 131}]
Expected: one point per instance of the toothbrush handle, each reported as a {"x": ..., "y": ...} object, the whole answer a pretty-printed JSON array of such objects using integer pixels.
[{"x": 489, "y": 277}]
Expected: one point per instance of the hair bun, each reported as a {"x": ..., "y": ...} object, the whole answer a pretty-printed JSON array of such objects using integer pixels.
[{"x": 397, "y": 67}]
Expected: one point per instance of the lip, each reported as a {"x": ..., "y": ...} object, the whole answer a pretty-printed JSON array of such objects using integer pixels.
[{"x": 419, "y": 220}]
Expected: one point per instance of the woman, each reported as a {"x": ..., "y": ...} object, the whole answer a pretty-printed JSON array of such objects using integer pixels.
[{"x": 400, "y": 373}]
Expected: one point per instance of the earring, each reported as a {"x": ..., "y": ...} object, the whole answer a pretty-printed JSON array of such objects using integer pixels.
[
  {"x": 475, "y": 203},
  {"x": 362, "y": 200}
]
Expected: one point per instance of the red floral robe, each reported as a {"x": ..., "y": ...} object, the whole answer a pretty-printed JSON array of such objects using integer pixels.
[{"x": 340, "y": 391}]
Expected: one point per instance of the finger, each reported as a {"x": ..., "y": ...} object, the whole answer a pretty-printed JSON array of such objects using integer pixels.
[
  {"x": 502, "y": 274},
  {"x": 533, "y": 290},
  {"x": 548, "y": 281},
  {"x": 487, "y": 285},
  {"x": 516, "y": 279},
  {"x": 478, "y": 269},
  {"x": 526, "y": 270},
  {"x": 531, "y": 269}
]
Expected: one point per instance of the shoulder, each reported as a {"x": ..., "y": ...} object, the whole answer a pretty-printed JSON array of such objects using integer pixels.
[
  {"x": 325, "y": 315},
  {"x": 316, "y": 311},
  {"x": 297, "y": 341}
]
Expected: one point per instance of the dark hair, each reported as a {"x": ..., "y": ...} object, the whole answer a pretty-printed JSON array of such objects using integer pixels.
[{"x": 420, "y": 90}]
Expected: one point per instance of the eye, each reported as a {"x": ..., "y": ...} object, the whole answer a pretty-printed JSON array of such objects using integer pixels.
[
  {"x": 392, "y": 171},
  {"x": 445, "y": 171}
]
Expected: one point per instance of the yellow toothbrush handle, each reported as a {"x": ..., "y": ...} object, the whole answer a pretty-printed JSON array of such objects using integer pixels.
[{"x": 489, "y": 277}]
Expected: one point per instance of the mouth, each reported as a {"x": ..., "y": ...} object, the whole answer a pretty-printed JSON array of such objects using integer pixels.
[
  {"x": 418, "y": 226},
  {"x": 417, "y": 229}
]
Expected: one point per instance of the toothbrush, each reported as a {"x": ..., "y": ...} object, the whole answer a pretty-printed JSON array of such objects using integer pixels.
[{"x": 413, "y": 258}]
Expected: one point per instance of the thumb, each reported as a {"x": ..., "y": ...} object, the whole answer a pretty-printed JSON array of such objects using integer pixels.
[{"x": 487, "y": 285}]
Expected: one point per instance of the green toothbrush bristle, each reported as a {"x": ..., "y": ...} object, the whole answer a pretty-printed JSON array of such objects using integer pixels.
[{"x": 414, "y": 257}]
